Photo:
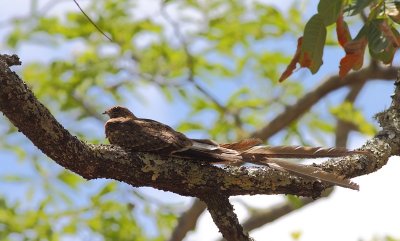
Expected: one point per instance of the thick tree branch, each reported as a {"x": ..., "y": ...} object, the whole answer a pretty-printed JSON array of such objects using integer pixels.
[
  {"x": 181, "y": 176},
  {"x": 293, "y": 112},
  {"x": 186, "y": 221},
  {"x": 224, "y": 217}
]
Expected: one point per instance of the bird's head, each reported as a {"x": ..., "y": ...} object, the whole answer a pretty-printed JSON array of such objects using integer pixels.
[{"x": 118, "y": 111}]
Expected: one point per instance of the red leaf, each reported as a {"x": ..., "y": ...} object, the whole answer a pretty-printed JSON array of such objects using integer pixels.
[
  {"x": 292, "y": 65},
  {"x": 342, "y": 31},
  {"x": 354, "y": 58}
]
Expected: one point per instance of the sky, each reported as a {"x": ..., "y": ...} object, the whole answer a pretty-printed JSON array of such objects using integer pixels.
[{"x": 346, "y": 215}]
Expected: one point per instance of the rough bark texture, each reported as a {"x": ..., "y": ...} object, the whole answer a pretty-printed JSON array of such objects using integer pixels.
[
  {"x": 222, "y": 212},
  {"x": 189, "y": 178}
]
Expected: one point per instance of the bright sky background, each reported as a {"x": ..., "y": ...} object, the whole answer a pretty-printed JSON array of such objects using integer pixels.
[{"x": 346, "y": 215}]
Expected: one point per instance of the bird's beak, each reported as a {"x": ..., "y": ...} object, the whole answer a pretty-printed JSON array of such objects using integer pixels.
[{"x": 104, "y": 113}]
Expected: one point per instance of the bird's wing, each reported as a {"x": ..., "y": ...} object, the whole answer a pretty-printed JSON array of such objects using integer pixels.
[
  {"x": 210, "y": 151},
  {"x": 145, "y": 135},
  {"x": 162, "y": 132}
]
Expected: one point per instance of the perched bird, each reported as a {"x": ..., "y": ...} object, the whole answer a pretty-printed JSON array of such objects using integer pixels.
[
  {"x": 144, "y": 135},
  {"x": 126, "y": 130}
]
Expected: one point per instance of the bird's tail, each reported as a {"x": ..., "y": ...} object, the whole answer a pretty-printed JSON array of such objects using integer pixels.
[
  {"x": 298, "y": 152},
  {"x": 306, "y": 171},
  {"x": 250, "y": 151}
]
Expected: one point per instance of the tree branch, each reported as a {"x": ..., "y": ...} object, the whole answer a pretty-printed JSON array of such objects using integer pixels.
[
  {"x": 293, "y": 112},
  {"x": 224, "y": 217},
  {"x": 189, "y": 178}
]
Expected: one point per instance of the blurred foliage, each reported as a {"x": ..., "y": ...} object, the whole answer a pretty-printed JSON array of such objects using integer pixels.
[
  {"x": 216, "y": 63},
  {"x": 348, "y": 113}
]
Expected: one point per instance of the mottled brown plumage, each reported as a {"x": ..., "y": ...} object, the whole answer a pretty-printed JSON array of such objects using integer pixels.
[
  {"x": 126, "y": 130},
  {"x": 144, "y": 135}
]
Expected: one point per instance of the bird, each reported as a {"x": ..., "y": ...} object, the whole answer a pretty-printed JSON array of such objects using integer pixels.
[{"x": 135, "y": 134}]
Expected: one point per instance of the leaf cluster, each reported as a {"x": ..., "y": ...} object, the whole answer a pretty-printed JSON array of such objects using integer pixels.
[{"x": 378, "y": 33}]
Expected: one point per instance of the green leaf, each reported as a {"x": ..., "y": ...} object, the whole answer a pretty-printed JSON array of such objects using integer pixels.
[
  {"x": 109, "y": 187},
  {"x": 295, "y": 201},
  {"x": 322, "y": 125},
  {"x": 377, "y": 41},
  {"x": 382, "y": 45},
  {"x": 190, "y": 126},
  {"x": 347, "y": 112},
  {"x": 313, "y": 43},
  {"x": 329, "y": 10},
  {"x": 70, "y": 179},
  {"x": 296, "y": 235}
]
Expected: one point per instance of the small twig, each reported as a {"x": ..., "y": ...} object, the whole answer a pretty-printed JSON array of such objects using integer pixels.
[
  {"x": 189, "y": 58},
  {"x": 92, "y": 22}
]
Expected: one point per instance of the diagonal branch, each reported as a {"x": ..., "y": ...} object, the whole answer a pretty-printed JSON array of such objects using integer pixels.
[{"x": 293, "y": 112}]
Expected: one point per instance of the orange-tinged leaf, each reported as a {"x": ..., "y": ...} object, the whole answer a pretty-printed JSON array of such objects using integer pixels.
[
  {"x": 347, "y": 63},
  {"x": 292, "y": 65},
  {"x": 354, "y": 58},
  {"x": 342, "y": 31},
  {"x": 355, "y": 45}
]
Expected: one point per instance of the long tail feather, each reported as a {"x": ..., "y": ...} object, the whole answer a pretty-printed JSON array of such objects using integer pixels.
[
  {"x": 299, "y": 152},
  {"x": 250, "y": 150},
  {"x": 308, "y": 172},
  {"x": 243, "y": 145}
]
